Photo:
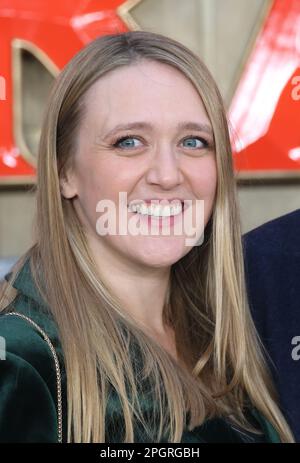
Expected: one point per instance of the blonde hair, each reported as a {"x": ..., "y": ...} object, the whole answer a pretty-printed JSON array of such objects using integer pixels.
[{"x": 207, "y": 306}]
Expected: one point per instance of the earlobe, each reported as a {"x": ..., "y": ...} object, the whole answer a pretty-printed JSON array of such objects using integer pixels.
[{"x": 67, "y": 187}]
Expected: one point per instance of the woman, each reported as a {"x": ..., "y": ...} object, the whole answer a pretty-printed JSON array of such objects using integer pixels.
[{"x": 122, "y": 337}]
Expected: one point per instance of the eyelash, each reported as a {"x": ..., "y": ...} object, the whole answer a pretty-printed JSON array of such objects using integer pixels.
[{"x": 206, "y": 143}]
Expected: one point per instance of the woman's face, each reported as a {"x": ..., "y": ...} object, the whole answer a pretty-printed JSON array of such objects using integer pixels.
[{"x": 165, "y": 156}]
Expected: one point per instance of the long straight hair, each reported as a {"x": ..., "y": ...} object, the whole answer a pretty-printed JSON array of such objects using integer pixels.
[{"x": 224, "y": 370}]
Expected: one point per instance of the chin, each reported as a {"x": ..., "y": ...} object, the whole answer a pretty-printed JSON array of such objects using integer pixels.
[{"x": 161, "y": 254}]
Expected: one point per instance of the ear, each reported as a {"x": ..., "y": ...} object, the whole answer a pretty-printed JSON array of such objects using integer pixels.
[{"x": 68, "y": 185}]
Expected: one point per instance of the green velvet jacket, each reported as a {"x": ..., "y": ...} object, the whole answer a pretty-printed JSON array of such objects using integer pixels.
[{"x": 32, "y": 409}]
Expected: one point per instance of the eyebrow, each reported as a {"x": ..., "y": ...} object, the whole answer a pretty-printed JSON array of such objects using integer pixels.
[{"x": 187, "y": 125}]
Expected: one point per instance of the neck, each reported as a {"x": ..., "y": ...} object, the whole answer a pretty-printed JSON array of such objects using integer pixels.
[{"x": 140, "y": 289}]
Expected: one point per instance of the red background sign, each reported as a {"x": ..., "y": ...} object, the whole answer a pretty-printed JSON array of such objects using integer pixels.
[
  {"x": 59, "y": 29},
  {"x": 264, "y": 113}
]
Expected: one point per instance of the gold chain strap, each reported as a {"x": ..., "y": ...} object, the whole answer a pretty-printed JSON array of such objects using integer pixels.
[{"x": 57, "y": 369}]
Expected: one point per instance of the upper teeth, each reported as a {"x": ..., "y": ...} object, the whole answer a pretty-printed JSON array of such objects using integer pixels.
[{"x": 156, "y": 210}]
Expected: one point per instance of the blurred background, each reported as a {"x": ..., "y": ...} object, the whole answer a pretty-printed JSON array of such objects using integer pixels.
[{"x": 223, "y": 33}]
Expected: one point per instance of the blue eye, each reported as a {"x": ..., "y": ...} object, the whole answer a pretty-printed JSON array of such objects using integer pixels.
[
  {"x": 127, "y": 142},
  {"x": 192, "y": 142}
]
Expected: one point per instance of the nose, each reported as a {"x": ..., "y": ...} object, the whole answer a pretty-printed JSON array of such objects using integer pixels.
[{"x": 164, "y": 169}]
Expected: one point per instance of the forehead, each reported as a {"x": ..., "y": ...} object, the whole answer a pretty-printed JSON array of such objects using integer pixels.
[{"x": 151, "y": 87}]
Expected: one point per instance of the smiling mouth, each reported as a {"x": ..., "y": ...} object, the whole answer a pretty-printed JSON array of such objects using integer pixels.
[{"x": 156, "y": 210}]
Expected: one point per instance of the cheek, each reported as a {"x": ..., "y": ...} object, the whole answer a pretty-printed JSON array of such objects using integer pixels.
[
  {"x": 204, "y": 184},
  {"x": 204, "y": 179},
  {"x": 96, "y": 181},
  {"x": 100, "y": 180}
]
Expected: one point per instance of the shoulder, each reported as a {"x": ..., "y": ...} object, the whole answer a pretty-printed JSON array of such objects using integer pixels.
[
  {"x": 32, "y": 372},
  {"x": 278, "y": 235},
  {"x": 272, "y": 251},
  {"x": 28, "y": 407},
  {"x": 22, "y": 337}
]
